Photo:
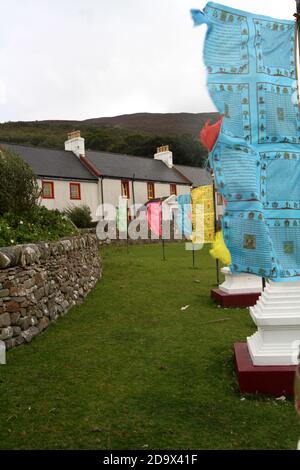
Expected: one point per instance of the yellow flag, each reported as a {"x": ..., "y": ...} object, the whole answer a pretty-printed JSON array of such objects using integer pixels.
[
  {"x": 219, "y": 250},
  {"x": 203, "y": 214}
]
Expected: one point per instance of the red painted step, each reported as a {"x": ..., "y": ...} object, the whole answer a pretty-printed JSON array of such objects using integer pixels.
[
  {"x": 264, "y": 380},
  {"x": 234, "y": 300}
]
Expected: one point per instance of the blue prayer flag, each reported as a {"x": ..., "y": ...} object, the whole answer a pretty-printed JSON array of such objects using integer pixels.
[
  {"x": 251, "y": 63},
  {"x": 184, "y": 215}
]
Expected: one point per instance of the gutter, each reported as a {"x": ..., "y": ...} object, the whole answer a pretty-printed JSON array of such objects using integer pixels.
[
  {"x": 89, "y": 165},
  {"x": 101, "y": 189},
  {"x": 133, "y": 195}
]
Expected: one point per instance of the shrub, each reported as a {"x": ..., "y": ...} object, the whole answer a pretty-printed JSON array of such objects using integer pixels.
[
  {"x": 22, "y": 219},
  {"x": 79, "y": 215},
  {"x": 19, "y": 191},
  {"x": 39, "y": 224}
]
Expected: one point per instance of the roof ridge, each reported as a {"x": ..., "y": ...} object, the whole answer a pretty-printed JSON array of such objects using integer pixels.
[
  {"x": 90, "y": 150},
  {"x": 138, "y": 156},
  {"x": 189, "y": 166},
  {"x": 181, "y": 174},
  {"x": 42, "y": 168},
  {"x": 32, "y": 146},
  {"x": 120, "y": 154}
]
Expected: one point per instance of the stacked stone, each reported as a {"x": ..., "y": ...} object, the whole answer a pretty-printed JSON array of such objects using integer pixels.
[{"x": 39, "y": 283}]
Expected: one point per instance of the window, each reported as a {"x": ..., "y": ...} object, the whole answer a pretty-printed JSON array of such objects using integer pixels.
[
  {"x": 150, "y": 190},
  {"x": 219, "y": 199},
  {"x": 125, "y": 189},
  {"x": 47, "y": 190},
  {"x": 75, "y": 192},
  {"x": 173, "y": 190}
]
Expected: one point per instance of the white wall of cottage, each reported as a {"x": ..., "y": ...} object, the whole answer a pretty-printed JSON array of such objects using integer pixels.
[
  {"x": 91, "y": 193},
  {"x": 62, "y": 200},
  {"x": 112, "y": 191}
]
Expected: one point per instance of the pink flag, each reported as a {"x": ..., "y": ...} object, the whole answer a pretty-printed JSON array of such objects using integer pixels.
[{"x": 154, "y": 216}]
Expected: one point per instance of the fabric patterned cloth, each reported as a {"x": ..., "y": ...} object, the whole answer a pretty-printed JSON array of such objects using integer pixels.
[
  {"x": 251, "y": 63},
  {"x": 183, "y": 217},
  {"x": 203, "y": 206},
  {"x": 154, "y": 217},
  {"x": 209, "y": 134},
  {"x": 219, "y": 250},
  {"x": 122, "y": 218}
]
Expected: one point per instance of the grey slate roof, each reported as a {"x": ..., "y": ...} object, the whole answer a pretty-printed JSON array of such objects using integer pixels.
[
  {"x": 51, "y": 163},
  {"x": 48, "y": 163},
  {"x": 197, "y": 176},
  {"x": 125, "y": 166}
]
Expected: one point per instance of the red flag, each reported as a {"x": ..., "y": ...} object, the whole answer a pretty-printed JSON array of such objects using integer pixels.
[{"x": 210, "y": 133}]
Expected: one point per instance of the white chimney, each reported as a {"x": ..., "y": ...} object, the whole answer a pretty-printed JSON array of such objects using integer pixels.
[
  {"x": 165, "y": 155},
  {"x": 75, "y": 144}
]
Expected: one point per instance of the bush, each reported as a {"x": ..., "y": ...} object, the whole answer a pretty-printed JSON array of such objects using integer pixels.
[
  {"x": 39, "y": 224},
  {"x": 80, "y": 216},
  {"x": 22, "y": 219},
  {"x": 19, "y": 191}
]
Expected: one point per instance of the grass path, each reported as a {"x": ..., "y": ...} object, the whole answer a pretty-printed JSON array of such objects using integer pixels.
[{"x": 129, "y": 369}]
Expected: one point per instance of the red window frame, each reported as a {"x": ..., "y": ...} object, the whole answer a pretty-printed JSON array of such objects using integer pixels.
[
  {"x": 125, "y": 191},
  {"x": 44, "y": 183},
  {"x": 150, "y": 191},
  {"x": 75, "y": 185},
  {"x": 173, "y": 190}
]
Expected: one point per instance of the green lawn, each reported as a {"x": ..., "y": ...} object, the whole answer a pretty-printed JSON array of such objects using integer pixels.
[{"x": 129, "y": 369}]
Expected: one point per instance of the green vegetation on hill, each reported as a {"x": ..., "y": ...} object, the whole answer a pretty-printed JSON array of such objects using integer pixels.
[
  {"x": 137, "y": 134},
  {"x": 158, "y": 123}
]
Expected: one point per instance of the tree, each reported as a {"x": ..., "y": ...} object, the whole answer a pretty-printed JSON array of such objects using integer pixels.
[{"x": 19, "y": 191}]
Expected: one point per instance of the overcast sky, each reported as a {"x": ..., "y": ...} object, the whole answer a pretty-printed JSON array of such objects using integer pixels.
[{"x": 77, "y": 59}]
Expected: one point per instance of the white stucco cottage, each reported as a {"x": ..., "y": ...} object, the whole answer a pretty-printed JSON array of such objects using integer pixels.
[{"x": 76, "y": 176}]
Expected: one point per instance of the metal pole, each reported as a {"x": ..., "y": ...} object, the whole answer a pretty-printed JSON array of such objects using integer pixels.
[
  {"x": 297, "y": 38},
  {"x": 133, "y": 195},
  {"x": 162, "y": 231},
  {"x": 102, "y": 192},
  {"x": 218, "y": 271},
  {"x": 127, "y": 220},
  {"x": 193, "y": 257},
  {"x": 215, "y": 209},
  {"x": 163, "y": 249}
]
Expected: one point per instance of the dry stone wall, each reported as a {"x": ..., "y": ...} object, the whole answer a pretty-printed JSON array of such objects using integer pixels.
[{"x": 39, "y": 283}]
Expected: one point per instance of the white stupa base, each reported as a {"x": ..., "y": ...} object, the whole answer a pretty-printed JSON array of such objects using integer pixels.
[
  {"x": 241, "y": 283},
  {"x": 277, "y": 317}
]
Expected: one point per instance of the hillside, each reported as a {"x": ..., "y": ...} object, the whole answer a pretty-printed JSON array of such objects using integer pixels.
[
  {"x": 153, "y": 123},
  {"x": 134, "y": 134},
  {"x": 175, "y": 123}
]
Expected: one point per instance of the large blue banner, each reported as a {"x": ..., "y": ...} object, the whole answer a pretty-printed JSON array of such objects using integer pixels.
[{"x": 251, "y": 63}]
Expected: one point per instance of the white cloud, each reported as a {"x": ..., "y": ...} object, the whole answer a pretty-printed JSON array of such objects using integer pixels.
[
  {"x": 76, "y": 59},
  {"x": 3, "y": 92}
]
